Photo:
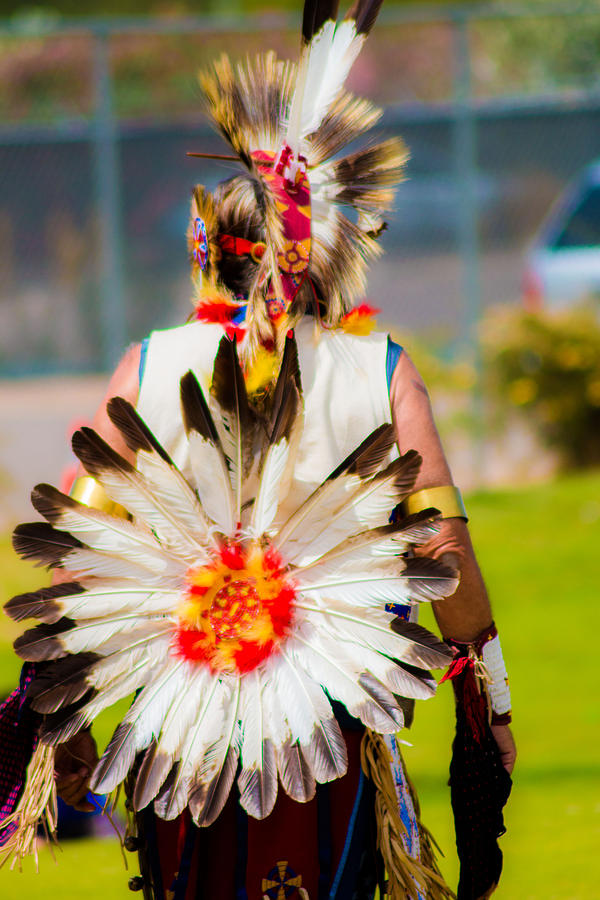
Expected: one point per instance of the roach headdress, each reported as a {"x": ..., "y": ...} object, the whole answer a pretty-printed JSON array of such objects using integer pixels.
[{"x": 300, "y": 226}]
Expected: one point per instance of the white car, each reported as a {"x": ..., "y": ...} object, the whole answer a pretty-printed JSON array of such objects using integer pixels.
[{"x": 563, "y": 263}]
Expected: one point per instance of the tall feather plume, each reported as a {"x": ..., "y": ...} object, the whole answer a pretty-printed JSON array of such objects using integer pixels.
[{"x": 329, "y": 52}]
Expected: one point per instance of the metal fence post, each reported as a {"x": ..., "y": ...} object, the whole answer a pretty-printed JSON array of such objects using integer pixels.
[
  {"x": 107, "y": 197},
  {"x": 465, "y": 162}
]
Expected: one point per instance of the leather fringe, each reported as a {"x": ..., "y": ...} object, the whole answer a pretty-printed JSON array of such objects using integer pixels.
[
  {"x": 36, "y": 807},
  {"x": 406, "y": 876}
]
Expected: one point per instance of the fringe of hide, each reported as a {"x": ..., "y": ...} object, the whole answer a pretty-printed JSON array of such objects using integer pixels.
[
  {"x": 406, "y": 876},
  {"x": 36, "y": 807}
]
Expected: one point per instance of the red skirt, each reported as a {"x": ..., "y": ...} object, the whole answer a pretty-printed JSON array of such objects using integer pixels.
[{"x": 321, "y": 849}]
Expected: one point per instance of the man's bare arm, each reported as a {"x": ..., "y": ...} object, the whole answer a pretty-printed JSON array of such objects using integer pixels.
[{"x": 465, "y": 614}]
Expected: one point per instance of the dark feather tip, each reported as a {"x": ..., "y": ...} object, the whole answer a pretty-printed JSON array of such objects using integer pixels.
[
  {"x": 196, "y": 414},
  {"x": 39, "y": 540},
  {"x": 96, "y": 455},
  {"x": 41, "y": 604},
  {"x": 43, "y": 642},
  {"x": 136, "y": 433}
]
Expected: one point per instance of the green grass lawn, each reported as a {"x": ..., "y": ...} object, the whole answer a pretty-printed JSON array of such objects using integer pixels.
[{"x": 537, "y": 547}]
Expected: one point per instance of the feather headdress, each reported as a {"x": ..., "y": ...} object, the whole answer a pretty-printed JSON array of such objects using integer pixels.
[
  {"x": 308, "y": 214},
  {"x": 232, "y": 624}
]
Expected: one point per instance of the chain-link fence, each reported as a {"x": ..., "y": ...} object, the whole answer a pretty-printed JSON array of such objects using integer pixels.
[{"x": 499, "y": 109}]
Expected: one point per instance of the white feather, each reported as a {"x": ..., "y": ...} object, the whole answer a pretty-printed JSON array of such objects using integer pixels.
[
  {"x": 267, "y": 500},
  {"x": 206, "y": 726},
  {"x": 144, "y": 500},
  {"x": 96, "y": 604},
  {"x": 257, "y": 780},
  {"x": 175, "y": 498},
  {"x": 311, "y": 718},
  {"x": 331, "y": 54},
  {"x": 370, "y": 629},
  {"x": 110, "y": 534},
  {"x": 211, "y": 477},
  {"x": 83, "y": 563},
  {"x": 329, "y": 664},
  {"x": 142, "y": 722},
  {"x": 106, "y": 636}
]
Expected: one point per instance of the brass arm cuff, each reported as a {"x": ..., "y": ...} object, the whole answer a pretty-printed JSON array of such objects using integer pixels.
[
  {"x": 447, "y": 498},
  {"x": 86, "y": 490}
]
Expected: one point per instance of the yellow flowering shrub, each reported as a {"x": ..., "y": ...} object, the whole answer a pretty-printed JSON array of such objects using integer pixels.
[{"x": 548, "y": 365}]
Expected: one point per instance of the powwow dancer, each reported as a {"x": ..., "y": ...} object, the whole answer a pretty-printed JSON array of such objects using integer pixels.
[{"x": 232, "y": 559}]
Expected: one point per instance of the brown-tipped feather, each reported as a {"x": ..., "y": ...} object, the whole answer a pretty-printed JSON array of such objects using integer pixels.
[
  {"x": 366, "y": 459},
  {"x": 96, "y": 455},
  {"x": 62, "y": 683},
  {"x": 228, "y": 385},
  {"x": 151, "y": 777},
  {"x": 286, "y": 396},
  {"x": 136, "y": 433},
  {"x": 41, "y": 604},
  {"x": 314, "y": 16},
  {"x": 429, "y": 579},
  {"x": 207, "y": 802},
  {"x": 364, "y": 12},
  {"x": 39, "y": 540},
  {"x": 428, "y": 651},
  {"x": 50, "y": 502},
  {"x": 196, "y": 414},
  {"x": 43, "y": 641},
  {"x": 59, "y": 727},
  {"x": 402, "y": 472}
]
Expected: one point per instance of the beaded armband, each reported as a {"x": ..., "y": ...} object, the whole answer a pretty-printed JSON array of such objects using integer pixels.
[
  {"x": 483, "y": 657},
  {"x": 447, "y": 498},
  {"x": 86, "y": 490}
]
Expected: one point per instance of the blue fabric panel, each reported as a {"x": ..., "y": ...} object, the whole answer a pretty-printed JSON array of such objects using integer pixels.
[
  {"x": 143, "y": 354},
  {"x": 394, "y": 352}
]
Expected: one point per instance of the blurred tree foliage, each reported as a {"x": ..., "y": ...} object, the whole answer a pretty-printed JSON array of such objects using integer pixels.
[
  {"x": 537, "y": 52},
  {"x": 547, "y": 365},
  {"x": 172, "y": 7}
]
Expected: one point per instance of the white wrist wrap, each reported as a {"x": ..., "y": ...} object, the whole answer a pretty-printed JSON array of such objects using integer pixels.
[{"x": 498, "y": 688}]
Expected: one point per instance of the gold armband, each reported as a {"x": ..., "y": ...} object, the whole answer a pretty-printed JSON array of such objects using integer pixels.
[
  {"x": 86, "y": 490},
  {"x": 447, "y": 498}
]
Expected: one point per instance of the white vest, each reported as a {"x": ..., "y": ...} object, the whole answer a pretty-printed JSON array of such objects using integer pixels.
[{"x": 344, "y": 388}]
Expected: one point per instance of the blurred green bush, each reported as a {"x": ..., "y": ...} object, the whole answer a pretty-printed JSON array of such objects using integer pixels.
[{"x": 547, "y": 364}]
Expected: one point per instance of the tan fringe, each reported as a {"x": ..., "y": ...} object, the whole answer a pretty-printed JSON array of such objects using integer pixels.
[
  {"x": 405, "y": 875},
  {"x": 36, "y": 807}
]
